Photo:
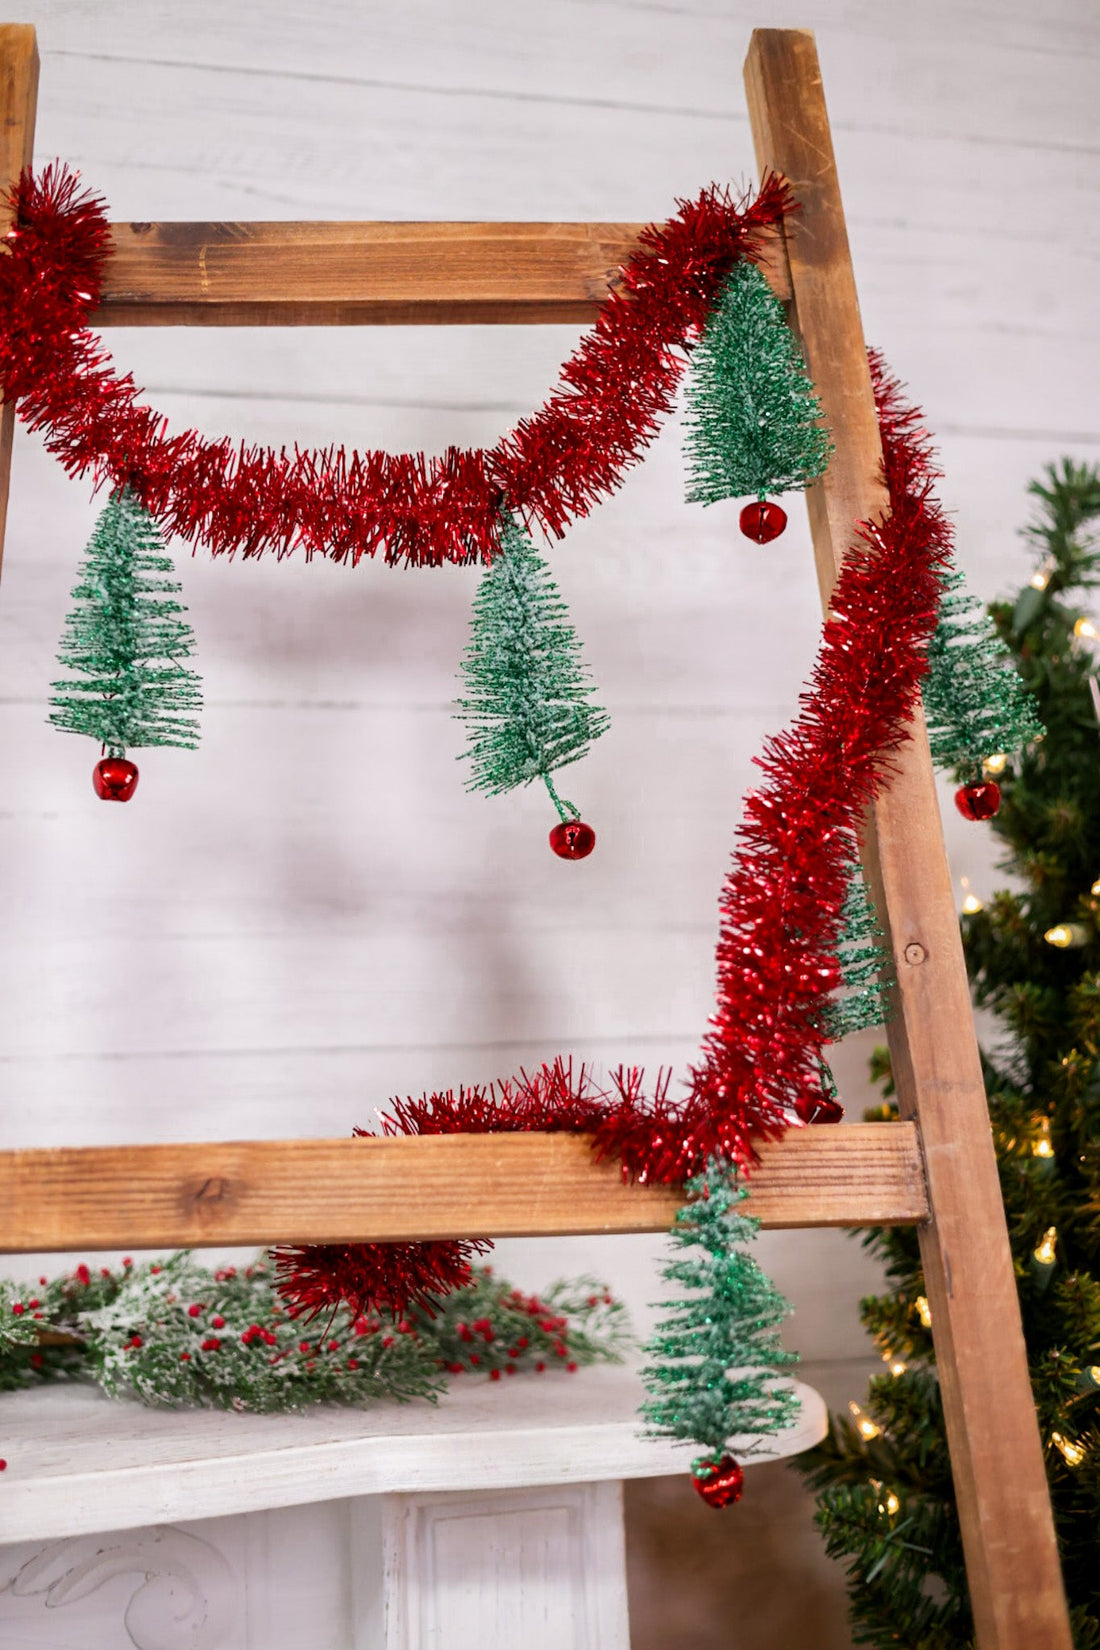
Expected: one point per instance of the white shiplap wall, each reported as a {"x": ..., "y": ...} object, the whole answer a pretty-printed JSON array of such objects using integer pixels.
[{"x": 309, "y": 915}]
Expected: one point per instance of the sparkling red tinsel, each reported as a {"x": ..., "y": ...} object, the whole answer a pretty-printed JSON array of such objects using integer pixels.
[
  {"x": 781, "y": 903},
  {"x": 613, "y": 392}
]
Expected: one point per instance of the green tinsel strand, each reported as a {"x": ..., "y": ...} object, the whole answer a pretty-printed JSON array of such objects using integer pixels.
[
  {"x": 975, "y": 702},
  {"x": 717, "y": 1351},
  {"x": 527, "y": 691},
  {"x": 174, "y": 1334},
  {"x": 753, "y": 419},
  {"x": 862, "y": 955},
  {"x": 124, "y": 638}
]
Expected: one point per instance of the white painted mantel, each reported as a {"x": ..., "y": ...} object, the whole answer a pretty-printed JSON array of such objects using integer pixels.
[{"x": 493, "y": 1517}]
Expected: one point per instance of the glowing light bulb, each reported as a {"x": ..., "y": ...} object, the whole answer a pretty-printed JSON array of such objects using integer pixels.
[
  {"x": 996, "y": 763},
  {"x": 1095, "y": 889},
  {"x": 1046, "y": 1253},
  {"x": 1085, "y": 627},
  {"x": 1093, "y": 1373},
  {"x": 1042, "y": 1146},
  {"x": 924, "y": 1311},
  {"x": 1072, "y": 1453},
  {"x": 897, "y": 1367},
  {"x": 1067, "y": 934},
  {"x": 1040, "y": 578},
  {"x": 864, "y": 1424},
  {"x": 892, "y": 1503},
  {"x": 971, "y": 902}
]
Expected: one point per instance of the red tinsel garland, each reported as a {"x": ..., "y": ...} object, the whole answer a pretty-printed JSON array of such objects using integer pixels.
[
  {"x": 613, "y": 392},
  {"x": 780, "y": 905}
]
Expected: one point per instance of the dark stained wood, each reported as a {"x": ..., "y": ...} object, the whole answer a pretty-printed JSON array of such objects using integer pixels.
[
  {"x": 355, "y": 274},
  {"x": 996, "y": 1454},
  {"x": 328, "y": 1191},
  {"x": 18, "y": 101}
]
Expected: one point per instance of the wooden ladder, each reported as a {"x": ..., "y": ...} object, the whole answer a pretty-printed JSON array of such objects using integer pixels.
[{"x": 936, "y": 1168}]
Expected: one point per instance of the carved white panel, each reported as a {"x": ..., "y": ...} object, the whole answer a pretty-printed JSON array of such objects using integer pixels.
[
  {"x": 542, "y": 1568},
  {"x": 153, "y": 1589}
]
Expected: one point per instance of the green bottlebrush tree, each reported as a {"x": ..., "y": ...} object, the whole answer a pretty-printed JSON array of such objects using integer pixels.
[
  {"x": 862, "y": 955},
  {"x": 716, "y": 1352},
  {"x": 976, "y": 704},
  {"x": 752, "y": 417},
  {"x": 124, "y": 638},
  {"x": 175, "y": 1334},
  {"x": 885, "y": 1500},
  {"x": 527, "y": 698}
]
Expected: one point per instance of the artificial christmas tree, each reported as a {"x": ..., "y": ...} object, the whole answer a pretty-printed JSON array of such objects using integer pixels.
[
  {"x": 753, "y": 419},
  {"x": 123, "y": 642},
  {"x": 717, "y": 1350},
  {"x": 885, "y": 1500},
  {"x": 527, "y": 705}
]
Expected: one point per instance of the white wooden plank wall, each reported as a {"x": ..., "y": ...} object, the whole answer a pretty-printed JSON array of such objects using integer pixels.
[{"x": 310, "y": 915}]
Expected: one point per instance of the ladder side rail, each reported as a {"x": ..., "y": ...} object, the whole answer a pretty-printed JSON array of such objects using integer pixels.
[
  {"x": 18, "y": 105},
  {"x": 996, "y": 1452}
]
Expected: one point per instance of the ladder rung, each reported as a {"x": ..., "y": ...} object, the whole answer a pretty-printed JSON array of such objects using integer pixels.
[
  {"x": 502, "y": 1185},
  {"x": 355, "y": 274}
]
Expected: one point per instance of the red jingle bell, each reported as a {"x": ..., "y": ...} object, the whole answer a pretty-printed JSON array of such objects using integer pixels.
[
  {"x": 978, "y": 801},
  {"x": 115, "y": 778},
  {"x": 763, "y": 521},
  {"x": 572, "y": 839},
  {"x": 719, "y": 1482},
  {"x": 818, "y": 1108}
]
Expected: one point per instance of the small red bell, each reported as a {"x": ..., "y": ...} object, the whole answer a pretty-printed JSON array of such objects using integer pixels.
[
  {"x": 763, "y": 521},
  {"x": 978, "y": 801},
  {"x": 818, "y": 1108},
  {"x": 572, "y": 839},
  {"x": 115, "y": 778},
  {"x": 719, "y": 1482}
]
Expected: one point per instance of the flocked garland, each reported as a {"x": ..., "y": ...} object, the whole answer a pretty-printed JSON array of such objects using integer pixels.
[
  {"x": 175, "y": 1333},
  {"x": 613, "y": 393}
]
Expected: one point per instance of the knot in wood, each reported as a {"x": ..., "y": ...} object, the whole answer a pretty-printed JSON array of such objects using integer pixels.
[{"x": 915, "y": 953}]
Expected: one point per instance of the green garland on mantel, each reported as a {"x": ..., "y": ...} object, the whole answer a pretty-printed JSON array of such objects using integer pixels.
[{"x": 175, "y": 1334}]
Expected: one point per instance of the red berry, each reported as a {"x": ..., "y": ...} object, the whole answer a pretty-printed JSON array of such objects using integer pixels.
[
  {"x": 218, "y": 1321},
  {"x": 127, "y": 1260},
  {"x": 193, "y": 1311},
  {"x": 3, "y": 1465},
  {"x": 115, "y": 779},
  {"x": 572, "y": 839},
  {"x": 211, "y": 1344},
  {"x": 474, "y": 1358},
  {"x": 353, "y": 1363},
  {"x": 185, "y": 1357},
  {"x": 763, "y": 521},
  {"x": 334, "y": 1346},
  {"x": 35, "y": 1302},
  {"x": 979, "y": 801},
  {"x": 572, "y": 1368},
  {"x": 304, "y": 1346},
  {"x": 509, "y": 1369},
  {"x": 83, "y": 1274},
  {"x": 455, "y": 1369},
  {"x": 135, "y": 1341},
  {"x": 36, "y": 1360},
  {"x": 494, "y": 1374},
  {"x": 387, "y": 1341},
  {"x": 18, "y": 1308},
  {"x": 540, "y": 1367}
]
